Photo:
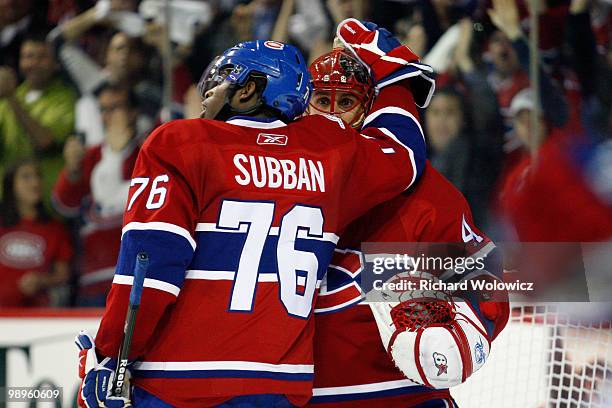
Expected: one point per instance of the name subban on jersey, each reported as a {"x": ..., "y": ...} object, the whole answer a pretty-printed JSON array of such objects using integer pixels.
[{"x": 270, "y": 172}]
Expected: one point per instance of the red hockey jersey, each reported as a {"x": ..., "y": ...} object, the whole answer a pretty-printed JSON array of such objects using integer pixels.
[
  {"x": 240, "y": 221},
  {"x": 353, "y": 368}
]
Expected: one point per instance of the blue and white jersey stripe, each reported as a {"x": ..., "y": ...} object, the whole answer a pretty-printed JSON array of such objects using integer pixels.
[
  {"x": 218, "y": 251},
  {"x": 403, "y": 127},
  {"x": 173, "y": 247},
  {"x": 367, "y": 391},
  {"x": 223, "y": 369}
]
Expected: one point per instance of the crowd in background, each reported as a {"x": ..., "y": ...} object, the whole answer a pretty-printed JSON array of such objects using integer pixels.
[{"x": 82, "y": 84}]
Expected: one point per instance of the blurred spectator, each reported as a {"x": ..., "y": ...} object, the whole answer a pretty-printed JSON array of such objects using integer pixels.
[
  {"x": 552, "y": 200},
  {"x": 439, "y": 15},
  {"x": 553, "y": 106},
  {"x": 593, "y": 69},
  {"x": 566, "y": 163},
  {"x": 445, "y": 122},
  {"x": 520, "y": 111},
  {"x": 37, "y": 116},
  {"x": 506, "y": 76},
  {"x": 94, "y": 185},
  {"x": 15, "y": 21},
  {"x": 60, "y": 10},
  {"x": 517, "y": 166},
  {"x": 124, "y": 68},
  {"x": 154, "y": 36},
  {"x": 125, "y": 65},
  {"x": 35, "y": 250},
  {"x": 463, "y": 128},
  {"x": 263, "y": 18},
  {"x": 243, "y": 21},
  {"x": 412, "y": 34},
  {"x": 429, "y": 18},
  {"x": 505, "y": 16},
  {"x": 303, "y": 22},
  {"x": 455, "y": 150}
]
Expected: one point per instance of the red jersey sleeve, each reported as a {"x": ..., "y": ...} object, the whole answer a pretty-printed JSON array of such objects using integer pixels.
[
  {"x": 160, "y": 219},
  {"x": 389, "y": 155}
]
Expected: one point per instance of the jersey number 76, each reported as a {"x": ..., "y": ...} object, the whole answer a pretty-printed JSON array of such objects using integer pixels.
[{"x": 259, "y": 216}]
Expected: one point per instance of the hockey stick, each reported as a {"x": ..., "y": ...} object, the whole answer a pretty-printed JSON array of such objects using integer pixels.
[{"x": 140, "y": 270}]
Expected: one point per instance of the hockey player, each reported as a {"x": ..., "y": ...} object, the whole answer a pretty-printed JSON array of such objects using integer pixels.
[
  {"x": 352, "y": 365},
  {"x": 240, "y": 217}
]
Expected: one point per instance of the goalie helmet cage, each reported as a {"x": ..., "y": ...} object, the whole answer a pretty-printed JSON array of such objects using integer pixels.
[{"x": 546, "y": 358}]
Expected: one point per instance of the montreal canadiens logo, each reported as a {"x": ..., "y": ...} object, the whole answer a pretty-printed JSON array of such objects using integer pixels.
[
  {"x": 22, "y": 250},
  {"x": 275, "y": 45}
]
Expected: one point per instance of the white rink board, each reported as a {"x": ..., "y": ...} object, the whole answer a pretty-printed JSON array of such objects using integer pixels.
[{"x": 53, "y": 356}]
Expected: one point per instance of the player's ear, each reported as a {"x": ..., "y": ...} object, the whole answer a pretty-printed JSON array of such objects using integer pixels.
[
  {"x": 246, "y": 97},
  {"x": 247, "y": 92}
]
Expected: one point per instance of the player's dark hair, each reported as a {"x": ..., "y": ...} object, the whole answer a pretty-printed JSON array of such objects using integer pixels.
[
  {"x": 261, "y": 108},
  {"x": 260, "y": 85},
  {"x": 9, "y": 209}
]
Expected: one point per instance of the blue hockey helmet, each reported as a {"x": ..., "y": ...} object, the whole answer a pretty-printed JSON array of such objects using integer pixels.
[{"x": 288, "y": 85}]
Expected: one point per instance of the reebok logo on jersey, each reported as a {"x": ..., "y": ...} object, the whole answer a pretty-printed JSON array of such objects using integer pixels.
[{"x": 270, "y": 139}]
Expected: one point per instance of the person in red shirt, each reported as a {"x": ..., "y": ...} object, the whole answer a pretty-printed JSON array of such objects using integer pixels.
[
  {"x": 353, "y": 368},
  {"x": 35, "y": 250},
  {"x": 93, "y": 186}
]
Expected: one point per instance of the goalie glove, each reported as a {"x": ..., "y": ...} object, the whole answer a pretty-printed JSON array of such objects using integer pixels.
[
  {"x": 433, "y": 342},
  {"x": 388, "y": 61},
  {"x": 97, "y": 377}
]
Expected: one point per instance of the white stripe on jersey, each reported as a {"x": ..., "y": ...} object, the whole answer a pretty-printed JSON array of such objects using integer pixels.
[
  {"x": 363, "y": 388},
  {"x": 327, "y": 236},
  {"x": 212, "y": 227},
  {"x": 410, "y": 153},
  {"x": 337, "y": 307},
  {"x": 243, "y": 229},
  {"x": 340, "y": 289},
  {"x": 226, "y": 275},
  {"x": 148, "y": 283},
  {"x": 230, "y": 275},
  {"x": 223, "y": 365},
  {"x": 256, "y": 124},
  {"x": 395, "y": 110},
  {"x": 160, "y": 226}
]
